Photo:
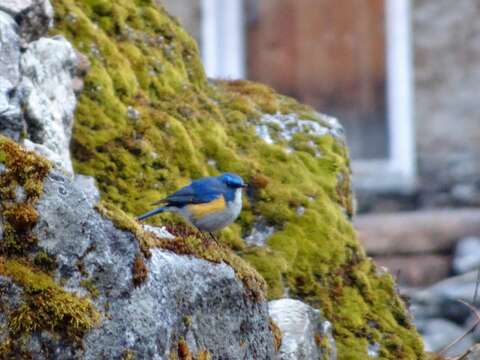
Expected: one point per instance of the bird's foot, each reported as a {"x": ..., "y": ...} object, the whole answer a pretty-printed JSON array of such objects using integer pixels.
[{"x": 215, "y": 239}]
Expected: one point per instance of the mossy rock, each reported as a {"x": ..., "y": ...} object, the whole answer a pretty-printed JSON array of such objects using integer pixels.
[
  {"x": 187, "y": 127},
  {"x": 42, "y": 304}
]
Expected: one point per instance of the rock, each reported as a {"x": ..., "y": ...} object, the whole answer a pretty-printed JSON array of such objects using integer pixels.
[
  {"x": 10, "y": 298},
  {"x": 427, "y": 230},
  {"x": 437, "y": 333},
  {"x": 35, "y": 17},
  {"x": 473, "y": 353},
  {"x": 184, "y": 304},
  {"x": 48, "y": 67},
  {"x": 159, "y": 231},
  {"x": 284, "y": 126},
  {"x": 11, "y": 123},
  {"x": 373, "y": 350},
  {"x": 416, "y": 270},
  {"x": 9, "y": 50},
  {"x": 89, "y": 189},
  {"x": 133, "y": 114},
  {"x": 57, "y": 159},
  {"x": 83, "y": 65},
  {"x": 453, "y": 288},
  {"x": 441, "y": 299},
  {"x": 305, "y": 333},
  {"x": 259, "y": 235},
  {"x": 472, "y": 319},
  {"x": 209, "y": 296},
  {"x": 466, "y": 194},
  {"x": 467, "y": 255}
]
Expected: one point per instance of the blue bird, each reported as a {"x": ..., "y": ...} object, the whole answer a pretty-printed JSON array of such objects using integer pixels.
[{"x": 210, "y": 203}]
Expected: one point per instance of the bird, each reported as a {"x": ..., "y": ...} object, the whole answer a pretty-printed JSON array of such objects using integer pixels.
[{"x": 209, "y": 203}]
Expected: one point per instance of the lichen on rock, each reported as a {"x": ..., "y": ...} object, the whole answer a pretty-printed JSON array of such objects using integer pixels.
[
  {"x": 185, "y": 127},
  {"x": 41, "y": 305}
]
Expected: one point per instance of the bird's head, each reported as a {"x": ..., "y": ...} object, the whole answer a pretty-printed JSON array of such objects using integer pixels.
[{"x": 232, "y": 180}]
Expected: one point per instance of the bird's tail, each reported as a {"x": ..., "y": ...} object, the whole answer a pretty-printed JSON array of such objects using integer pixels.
[{"x": 151, "y": 213}]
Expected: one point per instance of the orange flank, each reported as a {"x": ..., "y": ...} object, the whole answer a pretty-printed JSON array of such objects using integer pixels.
[{"x": 201, "y": 210}]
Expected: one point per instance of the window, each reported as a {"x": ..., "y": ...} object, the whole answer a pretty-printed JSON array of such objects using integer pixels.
[{"x": 347, "y": 58}]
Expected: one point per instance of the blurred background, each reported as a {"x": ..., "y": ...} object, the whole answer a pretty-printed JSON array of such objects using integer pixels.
[{"x": 403, "y": 77}]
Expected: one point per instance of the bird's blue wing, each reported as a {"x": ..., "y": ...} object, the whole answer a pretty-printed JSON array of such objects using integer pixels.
[{"x": 199, "y": 191}]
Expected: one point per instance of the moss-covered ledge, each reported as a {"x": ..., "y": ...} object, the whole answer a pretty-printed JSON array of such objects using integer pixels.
[{"x": 148, "y": 121}]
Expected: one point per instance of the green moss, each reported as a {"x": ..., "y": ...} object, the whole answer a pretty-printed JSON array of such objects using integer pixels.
[
  {"x": 128, "y": 355},
  {"x": 44, "y": 261},
  {"x": 46, "y": 306},
  {"x": 189, "y": 128},
  {"x": 91, "y": 288},
  {"x": 23, "y": 169},
  {"x": 323, "y": 343}
]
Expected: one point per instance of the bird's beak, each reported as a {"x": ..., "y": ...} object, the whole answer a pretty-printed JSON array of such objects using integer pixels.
[{"x": 245, "y": 186}]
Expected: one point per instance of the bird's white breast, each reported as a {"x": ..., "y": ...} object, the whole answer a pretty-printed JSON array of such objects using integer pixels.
[{"x": 235, "y": 206}]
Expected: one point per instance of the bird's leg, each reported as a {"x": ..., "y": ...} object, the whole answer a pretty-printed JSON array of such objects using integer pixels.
[
  {"x": 202, "y": 236},
  {"x": 212, "y": 235}
]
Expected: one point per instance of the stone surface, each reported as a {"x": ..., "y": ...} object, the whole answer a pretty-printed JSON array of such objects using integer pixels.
[
  {"x": 88, "y": 187},
  {"x": 282, "y": 127},
  {"x": 416, "y": 270},
  {"x": 473, "y": 353},
  {"x": 48, "y": 67},
  {"x": 56, "y": 158},
  {"x": 467, "y": 255},
  {"x": 159, "y": 231},
  {"x": 259, "y": 234},
  {"x": 305, "y": 333},
  {"x": 457, "y": 287},
  {"x": 35, "y": 17},
  {"x": 427, "y": 230},
  {"x": 148, "y": 320},
  {"x": 442, "y": 299},
  {"x": 438, "y": 333},
  {"x": 10, "y": 112}
]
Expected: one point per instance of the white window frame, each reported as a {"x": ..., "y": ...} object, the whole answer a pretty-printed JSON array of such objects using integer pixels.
[
  {"x": 224, "y": 56},
  {"x": 223, "y": 39}
]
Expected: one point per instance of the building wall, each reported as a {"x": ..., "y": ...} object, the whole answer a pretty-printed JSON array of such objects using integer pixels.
[{"x": 447, "y": 91}]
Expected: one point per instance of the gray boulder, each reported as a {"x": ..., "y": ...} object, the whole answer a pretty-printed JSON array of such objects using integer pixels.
[
  {"x": 259, "y": 234},
  {"x": 441, "y": 299},
  {"x": 88, "y": 187},
  {"x": 467, "y": 255},
  {"x": 185, "y": 305},
  {"x": 34, "y": 17},
  {"x": 11, "y": 123},
  {"x": 48, "y": 67},
  {"x": 438, "y": 333},
  {"x": 305, "y": 333},
  {"x": 37, "y": 85},
  {"x": 454, "y": 288},
  {"x": 473, "y": 353}
]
